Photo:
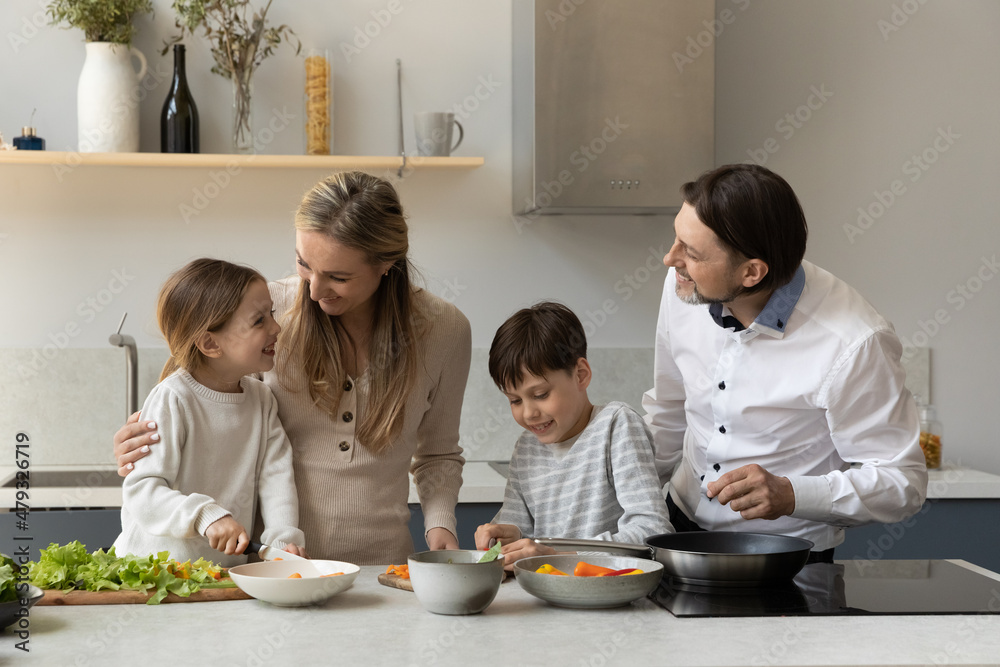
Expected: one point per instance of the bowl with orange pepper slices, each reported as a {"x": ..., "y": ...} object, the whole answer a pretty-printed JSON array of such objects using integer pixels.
[
  {"x": 588, "y": 581},
  {"x": 286, "y": 583}
]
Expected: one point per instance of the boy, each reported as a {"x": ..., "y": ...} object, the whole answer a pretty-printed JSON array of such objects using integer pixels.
[{"x": 577, "y": 471}]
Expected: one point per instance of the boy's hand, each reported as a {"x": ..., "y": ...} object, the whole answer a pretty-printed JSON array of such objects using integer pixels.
[
  {"x": 523, "y": 549},
  {"x": 227, "y": 535},
  {"x": 504, "y": 532}
]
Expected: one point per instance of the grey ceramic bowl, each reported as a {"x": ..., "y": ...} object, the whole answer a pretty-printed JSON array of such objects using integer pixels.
[
  {"x": 587, "y": 592},
  {"x": 454, "y": 582}
]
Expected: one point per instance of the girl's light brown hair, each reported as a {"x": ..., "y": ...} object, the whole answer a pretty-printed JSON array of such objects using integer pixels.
[
  {"x": 362, "y": 212},
  {"x": 200, "y": 297}
]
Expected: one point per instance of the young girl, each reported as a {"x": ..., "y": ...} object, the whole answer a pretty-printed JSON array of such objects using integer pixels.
[{"x": 223, "y": 451}]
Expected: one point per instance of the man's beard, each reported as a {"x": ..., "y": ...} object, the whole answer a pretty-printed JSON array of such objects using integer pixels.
[{"x": 696, "y": 298}]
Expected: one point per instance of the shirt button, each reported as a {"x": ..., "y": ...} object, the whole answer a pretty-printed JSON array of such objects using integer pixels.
[
  {"x": 716, "y": 467},
  {"x": 722, "y": 429},
  {"x": 348, "y": 416},
  {"x": 344, "y": 446},
  {"x": 347, "y": 385},
  {"x": 703, "y": 478},
  {"x": 722, "y": 385}
]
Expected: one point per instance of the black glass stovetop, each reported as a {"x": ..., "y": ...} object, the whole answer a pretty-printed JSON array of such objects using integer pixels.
[{"x": 844, "y": 588}]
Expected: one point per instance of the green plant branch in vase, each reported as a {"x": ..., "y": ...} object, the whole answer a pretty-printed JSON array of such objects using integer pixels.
[
  {"x": 100, "y": 20},
  {"x": 240, "y": 41}
]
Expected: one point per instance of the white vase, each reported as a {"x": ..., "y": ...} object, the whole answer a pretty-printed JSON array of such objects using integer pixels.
[{"x": 108, "y": 98}]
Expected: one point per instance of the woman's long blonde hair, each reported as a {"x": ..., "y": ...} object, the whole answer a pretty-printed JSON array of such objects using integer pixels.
[
  {"x": 200, "y": 297},
  {"x": 362, "y": 212}
]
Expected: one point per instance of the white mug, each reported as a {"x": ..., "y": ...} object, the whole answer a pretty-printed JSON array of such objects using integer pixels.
[{"x": 434, "y": 132}]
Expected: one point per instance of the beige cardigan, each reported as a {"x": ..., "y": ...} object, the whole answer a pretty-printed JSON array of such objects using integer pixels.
[{"x": 353, "y": 503}]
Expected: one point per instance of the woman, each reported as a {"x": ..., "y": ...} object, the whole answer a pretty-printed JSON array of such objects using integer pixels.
[{"x": 370, "y": 377}]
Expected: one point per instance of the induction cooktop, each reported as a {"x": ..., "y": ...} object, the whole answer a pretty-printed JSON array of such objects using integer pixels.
[{"x": 844, "y": 588}]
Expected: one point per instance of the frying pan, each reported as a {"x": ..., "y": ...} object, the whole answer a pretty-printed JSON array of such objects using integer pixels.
[{"x": 711, "y": 558}]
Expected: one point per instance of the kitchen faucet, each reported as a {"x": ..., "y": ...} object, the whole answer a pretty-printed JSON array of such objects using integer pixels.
[{"x": 131, "y": 367}]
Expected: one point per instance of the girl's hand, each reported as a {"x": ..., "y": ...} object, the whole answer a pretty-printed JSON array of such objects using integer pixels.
[
  {"x": 504, "y": 532},
  {"x": 295, "y": 549},
  {"x": 132, "y": 442},
  {"x": 441, "y": 538},
  {"x": 227, "y": 535}
]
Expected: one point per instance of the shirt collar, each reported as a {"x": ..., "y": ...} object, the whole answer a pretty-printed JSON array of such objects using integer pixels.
[{"x": 774, "y": 318}]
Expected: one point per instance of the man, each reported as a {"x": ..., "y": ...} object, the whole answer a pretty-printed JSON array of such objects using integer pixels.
[{"x": 763, "y": 400}]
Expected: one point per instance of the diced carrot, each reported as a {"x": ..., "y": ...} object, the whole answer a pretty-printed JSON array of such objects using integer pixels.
[
  {"x": 295, "y": 575},
  {"x": 279, "y": 558}
]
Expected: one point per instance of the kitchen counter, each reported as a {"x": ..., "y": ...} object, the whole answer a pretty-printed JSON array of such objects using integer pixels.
[
  {"x": 481, "y": 484},
  {"x": 371, "y": 624}
]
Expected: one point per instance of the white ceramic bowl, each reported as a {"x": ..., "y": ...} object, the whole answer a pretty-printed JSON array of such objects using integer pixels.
[
  {"x": 453, "y": 582},
  {"x": 587, "y": 592},
  {"x": 268, "y": 581}
]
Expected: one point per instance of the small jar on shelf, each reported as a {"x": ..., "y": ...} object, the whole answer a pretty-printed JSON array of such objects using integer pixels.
[
  {"x": 318, "y": 102},
  {"x": 930, "y": 436}
]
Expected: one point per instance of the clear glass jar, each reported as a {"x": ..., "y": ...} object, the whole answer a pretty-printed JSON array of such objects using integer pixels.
[
  {"x": 930, "y": 436},
  {"x": 318, "y": 102}
]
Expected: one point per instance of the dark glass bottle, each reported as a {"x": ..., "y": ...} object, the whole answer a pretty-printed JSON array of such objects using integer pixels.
[{"x": 179, "y": 119}]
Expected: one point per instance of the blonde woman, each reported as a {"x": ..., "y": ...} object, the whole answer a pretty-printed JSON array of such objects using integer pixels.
[{"x": 369, "y": 378}]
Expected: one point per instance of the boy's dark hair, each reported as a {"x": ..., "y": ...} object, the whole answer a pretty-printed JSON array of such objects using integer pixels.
[
  {"x": 755, "y": 214},
  {"x": 543, "y": 338}
]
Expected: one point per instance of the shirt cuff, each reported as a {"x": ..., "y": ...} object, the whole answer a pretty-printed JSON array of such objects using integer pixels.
[
  {"x": 813, "y": 498},
  {"x": 209, "y": 515}
]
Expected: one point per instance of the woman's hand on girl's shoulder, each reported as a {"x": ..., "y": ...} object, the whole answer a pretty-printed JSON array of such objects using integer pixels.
[{"x": 132, "y": 442}]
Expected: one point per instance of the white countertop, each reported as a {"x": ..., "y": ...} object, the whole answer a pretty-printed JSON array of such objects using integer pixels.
[
  {"x": 370, "y": 624},
  {"x": 480, "y": 484}
]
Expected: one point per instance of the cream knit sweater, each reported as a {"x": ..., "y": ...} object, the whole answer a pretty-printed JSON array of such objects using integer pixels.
[
  {"x": 219, "y": 454},
  {"x": 353, "y": 503}
]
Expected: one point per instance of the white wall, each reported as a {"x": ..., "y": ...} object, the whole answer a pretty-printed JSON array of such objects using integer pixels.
[{"x": 61, "y": 240}]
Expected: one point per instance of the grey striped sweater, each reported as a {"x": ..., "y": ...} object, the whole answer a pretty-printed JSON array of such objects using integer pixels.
[{"x": 604, "y": 488}]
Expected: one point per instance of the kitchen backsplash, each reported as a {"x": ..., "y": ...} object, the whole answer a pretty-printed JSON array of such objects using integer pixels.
[{"x": 73, "y": 400}]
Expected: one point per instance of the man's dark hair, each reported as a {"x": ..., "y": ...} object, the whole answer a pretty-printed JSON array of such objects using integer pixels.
[
  {"x": 543, "y": 338},
  {"x": 755, "y": 214}
]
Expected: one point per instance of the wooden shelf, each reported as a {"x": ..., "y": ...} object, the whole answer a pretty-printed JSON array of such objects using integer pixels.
[{"x": 216, "y": 160}]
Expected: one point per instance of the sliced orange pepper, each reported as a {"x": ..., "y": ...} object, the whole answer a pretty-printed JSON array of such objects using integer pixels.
[
  {"x": 587, "y": 570},
  {"x": 402, "y": 570},
  {"x": 295, "y": 575},
  {"x": 335, "y": 574}
]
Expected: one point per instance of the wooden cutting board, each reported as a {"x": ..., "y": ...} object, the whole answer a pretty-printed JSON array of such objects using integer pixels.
[
  {"x": 395, "y": 581},
  {"x": 57, "y": 598}
]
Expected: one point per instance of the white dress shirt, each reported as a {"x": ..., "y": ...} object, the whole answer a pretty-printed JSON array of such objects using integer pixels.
[{"x": 812, "y": 386}]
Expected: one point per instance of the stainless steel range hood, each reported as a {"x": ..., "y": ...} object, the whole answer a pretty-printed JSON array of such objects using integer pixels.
[{"x": 614, "y": 103}]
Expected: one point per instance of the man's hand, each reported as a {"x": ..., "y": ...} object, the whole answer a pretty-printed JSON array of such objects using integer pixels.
[{"x": 754, "y": 493}]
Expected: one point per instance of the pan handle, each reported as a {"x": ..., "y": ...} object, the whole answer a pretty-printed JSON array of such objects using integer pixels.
[{"x": 614, "y": 548}]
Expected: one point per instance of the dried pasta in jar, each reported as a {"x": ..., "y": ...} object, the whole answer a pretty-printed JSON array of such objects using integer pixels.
[{"x": 318, "y": 121}]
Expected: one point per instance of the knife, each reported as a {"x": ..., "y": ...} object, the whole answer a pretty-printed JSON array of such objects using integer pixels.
[{"x": 271, "y": 553}]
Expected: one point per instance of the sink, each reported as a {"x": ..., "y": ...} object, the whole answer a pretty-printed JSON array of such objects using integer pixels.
[
  {"x": 70, "y": 478},
  {"x": 502, "y": 467}
]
